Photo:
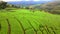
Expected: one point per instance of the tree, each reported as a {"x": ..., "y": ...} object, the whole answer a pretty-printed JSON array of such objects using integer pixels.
[{"x": 3, "y": 4}]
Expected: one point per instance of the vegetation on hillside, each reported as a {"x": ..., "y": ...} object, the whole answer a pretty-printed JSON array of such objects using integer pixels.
[
  {"x": 29, "y": 20},
  {"x": 23, "y": 21},
  {"x": 51, "y": 7}
]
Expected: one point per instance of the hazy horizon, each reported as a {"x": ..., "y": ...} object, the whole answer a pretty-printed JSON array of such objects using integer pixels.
[{"x": 25, "y": 0}]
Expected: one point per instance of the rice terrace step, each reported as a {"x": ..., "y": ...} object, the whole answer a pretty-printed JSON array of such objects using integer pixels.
[{"x": 23, "y": 21}]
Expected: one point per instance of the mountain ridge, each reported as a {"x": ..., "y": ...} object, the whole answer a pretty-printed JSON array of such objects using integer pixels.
[{"x": 28, "y": 3}]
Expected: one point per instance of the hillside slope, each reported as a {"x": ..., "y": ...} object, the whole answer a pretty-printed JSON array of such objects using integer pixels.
[
  {"x": 52, "y": 7},
  {"x": 23, "y": 21}
]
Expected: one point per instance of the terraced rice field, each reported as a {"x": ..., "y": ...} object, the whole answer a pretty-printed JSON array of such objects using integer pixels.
[{"x": 23, "y": 21}]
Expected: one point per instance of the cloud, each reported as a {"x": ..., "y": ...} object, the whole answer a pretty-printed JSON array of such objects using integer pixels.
[
  {"x": 12, "y": 0},
  {"x": 26, "y": 0}
]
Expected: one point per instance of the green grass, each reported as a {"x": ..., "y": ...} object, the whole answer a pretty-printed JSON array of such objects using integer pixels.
[{"x": 22, "y": 21}]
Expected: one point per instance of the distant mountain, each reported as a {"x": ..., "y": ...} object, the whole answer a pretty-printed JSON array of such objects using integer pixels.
[{"x": 27, "y": 3}]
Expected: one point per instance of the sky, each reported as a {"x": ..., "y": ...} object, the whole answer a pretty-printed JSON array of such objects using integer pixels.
[{"x": 25, "y": 0}]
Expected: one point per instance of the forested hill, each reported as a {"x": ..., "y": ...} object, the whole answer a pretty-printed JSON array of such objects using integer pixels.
[{"x": 52, "y": 7}]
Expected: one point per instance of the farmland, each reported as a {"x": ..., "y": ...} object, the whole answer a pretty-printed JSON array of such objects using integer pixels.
[{"x": 23, "y": 21}]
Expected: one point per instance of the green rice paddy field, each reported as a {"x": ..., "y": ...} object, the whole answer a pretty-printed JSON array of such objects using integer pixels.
[{"x": 24, "y": 21}]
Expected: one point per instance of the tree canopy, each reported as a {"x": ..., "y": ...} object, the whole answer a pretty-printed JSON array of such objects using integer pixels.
[{"x": 3, "y": 4}]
